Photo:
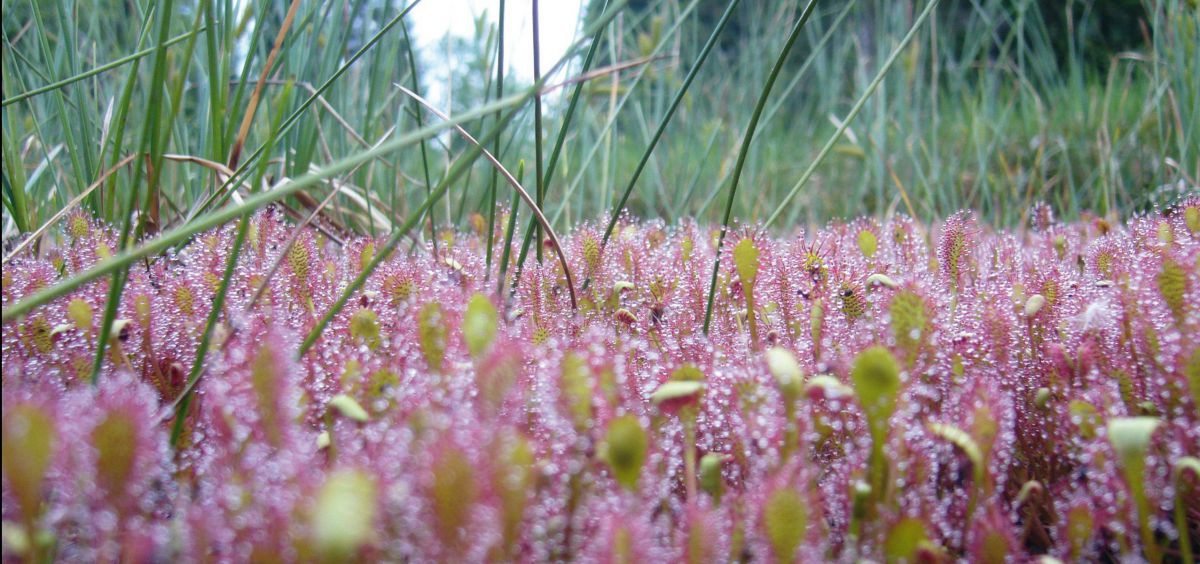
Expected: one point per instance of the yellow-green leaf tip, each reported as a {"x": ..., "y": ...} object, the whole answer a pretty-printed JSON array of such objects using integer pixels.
[{"x": 349, "y": 407}]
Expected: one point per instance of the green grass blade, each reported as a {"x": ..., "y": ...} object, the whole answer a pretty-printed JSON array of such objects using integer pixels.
[
  {"x": 612, "y": 120},
  {"x": 416, "y": 87},
  {"x": 149, "y": 140},
  {"x": 217, "y": 80},
  {"x": 747, "y": 138},
  {"x": 491, "y": 228},
  {"x": 292, "y": 119},
  {"x": 74, "y": 151},
  {"x": 574, "y": 103},
  {"x": 537, "y": 128},
  {"x": 461, "y": 165},
  {"x": 97, "y": 70},
  {"x": 858, "y": 105},
  {"x": 150, "y": 219},
  {"x": 184, "y": 401},
  {"x": 14, "y": 184},
  {"x": 107, "y": 205},
  {"x": 662, "y": 126},
  {"x": 218, "y": 217},
  {"x": 508, "y": 234},
  {"x": 240, "y": 92},
  {"x": 558, "y": 143}
]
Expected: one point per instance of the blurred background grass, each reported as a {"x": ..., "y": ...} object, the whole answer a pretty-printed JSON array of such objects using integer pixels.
[{"x": 1086, "y": 104}]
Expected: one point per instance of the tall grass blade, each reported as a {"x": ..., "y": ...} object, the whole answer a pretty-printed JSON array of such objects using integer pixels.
[
  {"x": 491, "y": 227},
  {"x": 149, "y": 144},
  {"x": 108, "y": 198},
  {"x": 98, "y": 70},
  {"x": 248, "y": 117},
  {"x": 218, "y": 217},
  {"x": 566, "y": 124},
  {"x": 184, "y": 400},
  {"x": 747, "y": 138},
  {"x": 416, "y": 82},
  {"x": 33, "y": 237},
  {"x": 845, "y": 122},
  {"x": 150, "y": 220},
  {"x": 508, "y": 236},
  {"x": 662, "y": 126},
  {"x": 295, "y": 116},
  {"x": 537, "y": 211},
  {"x": 537, "y": 127},
  {"x": 615, "y": 112},
  {"x": 461, "y": 165}
]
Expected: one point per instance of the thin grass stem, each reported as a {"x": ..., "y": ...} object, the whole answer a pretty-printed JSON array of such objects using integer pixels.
[{"x": 747, "y": 138}]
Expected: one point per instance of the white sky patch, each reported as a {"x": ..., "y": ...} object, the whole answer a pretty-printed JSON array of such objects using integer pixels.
[{"x": 431, "y": 20}]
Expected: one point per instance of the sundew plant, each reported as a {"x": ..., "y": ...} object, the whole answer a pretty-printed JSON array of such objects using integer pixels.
[{"x": 843, "y": 281}]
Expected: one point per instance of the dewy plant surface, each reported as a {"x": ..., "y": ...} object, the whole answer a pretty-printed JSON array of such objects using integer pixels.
[{"x": 869, "y": 390}]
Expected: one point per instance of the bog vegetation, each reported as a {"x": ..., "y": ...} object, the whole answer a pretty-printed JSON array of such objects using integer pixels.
[{"x": 703, "y": 290}]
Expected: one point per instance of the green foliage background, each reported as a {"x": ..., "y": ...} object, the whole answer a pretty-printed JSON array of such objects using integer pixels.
[{"x": 1088, "y": 105}]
